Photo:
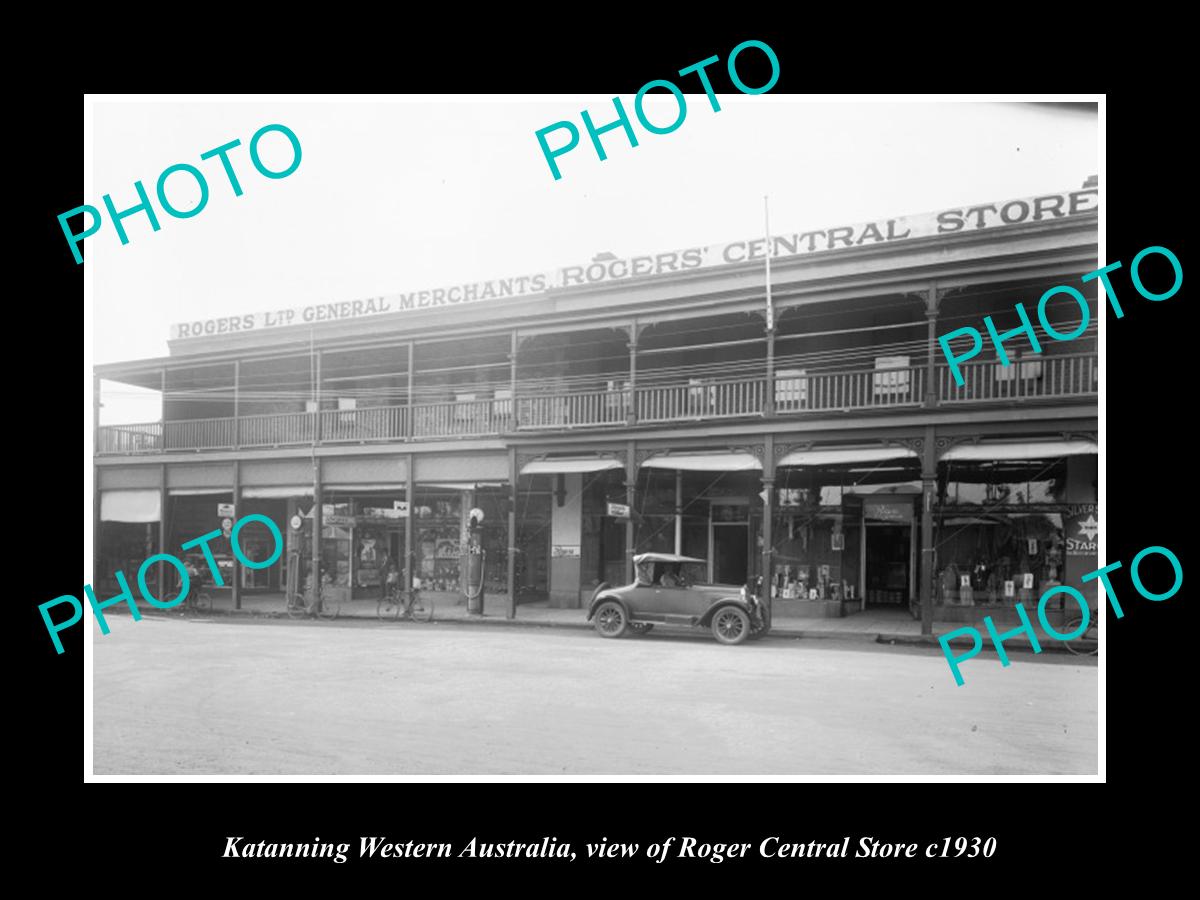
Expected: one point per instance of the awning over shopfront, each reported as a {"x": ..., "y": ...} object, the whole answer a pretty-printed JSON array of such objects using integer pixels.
[
  {"x": 276, "y": 492},
  {"x": 362, "y": 488},
  {"x": 704, "y": 462},
  {"x": 845, "y": 456},
  {"x": 569, "y": 465},
  {"x": 130, "y": 506},
  {"x": 1019, "y": 450},
  {"x": 199, "y": 492}
]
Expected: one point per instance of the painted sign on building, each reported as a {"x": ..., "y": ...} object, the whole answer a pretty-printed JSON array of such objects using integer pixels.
[
  {"x": 1081, "y": 528},
  {"x": 618, "y": 510},
  {"x": 607, "y": 267}
]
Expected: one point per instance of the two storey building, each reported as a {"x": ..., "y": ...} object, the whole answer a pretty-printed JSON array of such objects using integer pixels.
[{"x": 808, "y": 433}]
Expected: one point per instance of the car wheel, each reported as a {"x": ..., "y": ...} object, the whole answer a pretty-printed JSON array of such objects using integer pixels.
[
  {"x": 610, "y": 619},
  {"x": 730, "y": 625}
]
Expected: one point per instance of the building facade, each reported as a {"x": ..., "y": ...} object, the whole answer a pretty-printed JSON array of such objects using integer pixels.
[{"x": 810, "y": 434}]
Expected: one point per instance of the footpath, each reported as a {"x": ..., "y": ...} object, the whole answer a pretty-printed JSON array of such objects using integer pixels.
[{"x": 884, "y": 626}]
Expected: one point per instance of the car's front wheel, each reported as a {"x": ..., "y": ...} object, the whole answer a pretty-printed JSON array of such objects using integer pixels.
[
  {"x": 731, "y": 625},
  {"x": 610, "y": 619}
]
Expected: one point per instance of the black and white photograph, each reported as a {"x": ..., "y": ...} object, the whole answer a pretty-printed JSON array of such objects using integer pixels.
[{"x": 693, "y": 433}]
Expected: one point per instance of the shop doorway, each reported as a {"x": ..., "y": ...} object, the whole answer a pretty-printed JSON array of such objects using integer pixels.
[
  {"x": 730, "y": 553},
  {"x": 889, "y": 565}
]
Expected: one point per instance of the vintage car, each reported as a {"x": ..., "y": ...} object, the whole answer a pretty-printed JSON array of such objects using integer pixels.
[{"x": 664, "y": 595}]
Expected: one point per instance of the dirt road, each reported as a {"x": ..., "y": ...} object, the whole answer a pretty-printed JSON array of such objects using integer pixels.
[{"x": 251, "y": 697}]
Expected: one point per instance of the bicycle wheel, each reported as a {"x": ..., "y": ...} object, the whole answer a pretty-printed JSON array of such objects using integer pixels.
[
  {"x": 387, "y": 609},
  {"x": 329, "y": 608},
  {"x": 1087, "y": 643},
  {"x": 295, "y": 607},
  {"x": 421, "y": 609},
  {"x": 202, "y": 602}
]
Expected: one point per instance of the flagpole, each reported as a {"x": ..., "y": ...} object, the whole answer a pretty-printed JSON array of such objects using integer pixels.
[{"x": 767, "y": 223}]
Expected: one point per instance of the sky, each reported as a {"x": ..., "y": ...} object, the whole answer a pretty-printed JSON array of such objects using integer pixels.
[{"x": 408, "y": 193}]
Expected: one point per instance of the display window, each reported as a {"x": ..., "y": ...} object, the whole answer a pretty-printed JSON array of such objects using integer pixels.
[
  {"x": 124, "y": 546},
  {"x": 998, "y": 532},
  {"x": 437, "y": 545}
]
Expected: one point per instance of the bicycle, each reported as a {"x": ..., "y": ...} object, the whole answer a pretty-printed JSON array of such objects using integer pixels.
[
  {"x": 1087, "y": 642},
  {"x": 297, "y": 606},
  {"x": 197, "y": 601},
  {"x": 396, "y": 605}
]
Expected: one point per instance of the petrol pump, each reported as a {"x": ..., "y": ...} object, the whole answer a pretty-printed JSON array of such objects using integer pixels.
[{"x": 476, "y": 559}]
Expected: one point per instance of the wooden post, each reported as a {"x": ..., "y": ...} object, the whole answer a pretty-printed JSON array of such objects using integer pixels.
[
  {"x": 631, "y": 474},
  {"x": 928, "y": 551},
  {"x": 768, "y": 523},
  {"x": 409, "y": 497},
  {"x": 932, "y": 300},
  {"x": 631, "y": 414},
  {"x": 679, "y": 512},
  {"x": 408, "y": 426},
  {"x": 317, "y": 396},
  {"x": 769, "y": 400},
  {"x": 513, "y": 475},
  {"x": 237, "y": 512},
  {"x": 237, "y": 422},
  {"x": 316, "y": 533},
  {"x": 162, "y": 389},
  {"x": 162, "y": 528},
  {"x": 514, "y": 424}
]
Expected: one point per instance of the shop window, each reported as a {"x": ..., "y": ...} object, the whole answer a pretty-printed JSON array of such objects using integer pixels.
[
  {"x": 997, "y": 559},
  {"x": 1007, "y": 483},
  {"x": 810, "y": 559},
  {"x": 437, "y": 523}
]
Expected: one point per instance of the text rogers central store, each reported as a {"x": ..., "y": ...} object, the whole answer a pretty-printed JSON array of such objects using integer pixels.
[{"x": 815, "y": 438}]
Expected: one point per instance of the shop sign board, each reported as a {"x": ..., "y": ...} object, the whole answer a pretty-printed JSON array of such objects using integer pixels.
[
  {"x": 384, "y": 512},
  {"x": 618, "y": 510},
  {"x": 888, "y": 511},
  {"x": 1081, "y": 529}
]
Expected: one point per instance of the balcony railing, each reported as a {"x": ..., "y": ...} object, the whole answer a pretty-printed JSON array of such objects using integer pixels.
[
  {"x": 573, "y": 410},
  {"x": 277, "y": 430},
  {"x": 795, "y": 393},
  {"x": 373, "y": 423},
  {"x": 701, "y": 399},
  {"x": 466, "y": 418},
  {"x": 198, "y": 434},
  {"x": 1071, "y": 375}
]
